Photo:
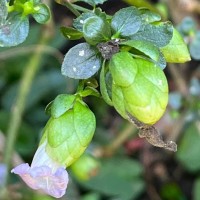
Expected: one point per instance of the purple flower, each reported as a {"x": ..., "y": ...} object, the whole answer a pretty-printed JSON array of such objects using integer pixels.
[{"x": 44, "y": 174}]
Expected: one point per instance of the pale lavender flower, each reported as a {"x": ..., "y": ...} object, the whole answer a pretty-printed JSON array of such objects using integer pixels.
[{"x": 44, "y": 174}]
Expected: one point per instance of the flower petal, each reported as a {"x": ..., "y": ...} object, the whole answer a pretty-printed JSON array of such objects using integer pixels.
[{"x": 42, "y": 178}]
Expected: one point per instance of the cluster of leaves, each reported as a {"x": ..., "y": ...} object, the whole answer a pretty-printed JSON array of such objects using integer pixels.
[
  {"x": 131, "y": 48},
  {"x": 14, "y": 20}
]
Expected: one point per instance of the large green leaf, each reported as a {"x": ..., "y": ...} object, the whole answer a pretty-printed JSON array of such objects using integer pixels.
[
  {"x": 14, "y": 31},
  {"x": 126, "y": 22},
  {"x": 81, "y": 62},
  {"x": 70, "y": 134},
  {"x": 142, "y": 90},
  {"x": 189, "y": 148},
  {"x": 148, "y": 49},
  {"x": 96, "y": 30},
  {"x": 158, "y": 33},
  {"x": 118, "y": 178},
  {"x": 176, "y": 51}
]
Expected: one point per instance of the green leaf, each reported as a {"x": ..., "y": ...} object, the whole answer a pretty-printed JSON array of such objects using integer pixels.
[
  {"x": 43, "y": 13},
  {"x": 158, "y": 33},
  {"x": 142, "y": 90},
  {"x": 149, "y": 16},
  {"x": 103, "y": 86},
  {"x": 79, "y": 21},
  {"x": 89, "y": 91},
  {"x": 96, "y": 30},
  {"x": 149, "y": 50},
  {"x": 71, "y": 33},
  {"x": 81, "y": 62},
  {"x": 196, "y": 191},
  {"x": 3, "y": 11},
  {"x": 69, "y": 135},
  {"x": 93, "y": 2},
  {"x": 61, "y": 104},
  {"x": 195, "y": 47},
  {"x": 14, "y": 31},
  {"x": 126, "y": 22},
  {"x": 122, "y": 68},
  {"x": 176, "y": 51},
  {"x": 118, "y": 178},
  {"x": 189, "y": 148}
]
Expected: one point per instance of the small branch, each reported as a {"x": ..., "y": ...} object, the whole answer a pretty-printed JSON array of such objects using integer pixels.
[{"x": 70, "y": 6}]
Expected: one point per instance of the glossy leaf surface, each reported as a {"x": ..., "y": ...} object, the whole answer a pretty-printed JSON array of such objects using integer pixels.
[
  {"x": 96, "y": 30},
  {"x": 126, "y": 21},
  {"x": 159, "y": 33},
  {"x": 43, "y": 14},
  {"x": 81, "y": 62},
  {"x": 14, "y": 31}
]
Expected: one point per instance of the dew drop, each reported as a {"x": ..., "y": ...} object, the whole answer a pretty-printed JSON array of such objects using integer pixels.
[{"x": 81, "y": 53}]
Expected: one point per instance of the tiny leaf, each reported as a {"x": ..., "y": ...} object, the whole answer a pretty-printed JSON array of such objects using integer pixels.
[
  {"x": 61, "y": 104},
  {"x": 176, "y": 51},
  {"x": 126, "y": 21},
  {"x": 43, "y": 14},
  {"x": 71, "y": 33},
  {"x": 14, "y": 31},
  {"x": 81, "y": 62},
  {"x": 79, "y": 21},
  {"x": 96, "y": 30},
  {"x": 159, "y": 33}
]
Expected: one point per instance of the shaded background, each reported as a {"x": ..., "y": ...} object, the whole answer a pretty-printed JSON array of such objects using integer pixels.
[{"x": 118, "y": 165}]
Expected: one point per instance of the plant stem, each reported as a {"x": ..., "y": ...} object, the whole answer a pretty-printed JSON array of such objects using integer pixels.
[
  {"x": 80, "y": 8},
  {"x": 70, "y": 6}
]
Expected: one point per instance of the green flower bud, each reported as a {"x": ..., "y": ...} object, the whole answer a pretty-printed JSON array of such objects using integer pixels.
[
  {"x": 139, "y": 87},
  {"x": 69, "y": 134}
]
